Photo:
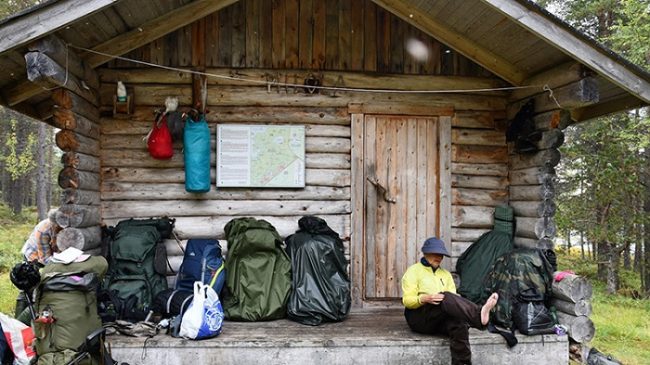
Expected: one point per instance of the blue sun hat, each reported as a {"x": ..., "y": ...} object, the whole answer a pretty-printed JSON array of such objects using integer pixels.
[{"x": 435, "y": 245}]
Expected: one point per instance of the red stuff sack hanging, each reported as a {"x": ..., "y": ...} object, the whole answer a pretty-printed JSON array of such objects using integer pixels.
[{"x": 159, "y": 141}]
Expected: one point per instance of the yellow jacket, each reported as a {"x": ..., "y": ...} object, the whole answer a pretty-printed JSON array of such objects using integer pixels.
[{"x": 419, "y": 279}]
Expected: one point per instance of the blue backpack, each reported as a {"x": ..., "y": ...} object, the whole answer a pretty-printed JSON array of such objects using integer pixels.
[{"x": 202, "y": 262}]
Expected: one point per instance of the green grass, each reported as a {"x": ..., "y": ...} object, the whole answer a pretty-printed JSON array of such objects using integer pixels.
[
  {"x": 14, "y": 230},
  {"x": 622, "y": 323},
  {"x": 8, "y": 293}
]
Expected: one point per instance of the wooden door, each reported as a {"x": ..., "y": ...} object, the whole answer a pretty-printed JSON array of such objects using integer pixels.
[{"x": 402, "y": 197}]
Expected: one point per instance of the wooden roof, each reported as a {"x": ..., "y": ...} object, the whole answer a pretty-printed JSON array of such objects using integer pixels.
[{"x": 514, "y": 39}]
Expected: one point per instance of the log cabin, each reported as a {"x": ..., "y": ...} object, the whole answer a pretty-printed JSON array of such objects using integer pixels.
[{"x": 405, "y": 119}]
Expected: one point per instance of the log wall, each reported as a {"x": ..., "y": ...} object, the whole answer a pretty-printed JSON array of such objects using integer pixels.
[
  {"x": 479, "y": 175},
  {"x": 135, "y": 185}
]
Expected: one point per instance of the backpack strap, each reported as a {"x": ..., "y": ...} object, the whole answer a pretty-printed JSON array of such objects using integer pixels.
[
  {"x": 216, "y": 274},
  {"x": 178, "y": 241},
  {"x": 510, "y": 338}
]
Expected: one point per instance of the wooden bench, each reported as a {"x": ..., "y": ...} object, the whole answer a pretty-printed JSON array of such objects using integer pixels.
[{"x": 378, "y": 336}]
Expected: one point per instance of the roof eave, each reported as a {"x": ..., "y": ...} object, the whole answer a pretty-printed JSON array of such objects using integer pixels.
[
  {"x": 41, "y": 20},
  {"x": 576, "y": 45}
]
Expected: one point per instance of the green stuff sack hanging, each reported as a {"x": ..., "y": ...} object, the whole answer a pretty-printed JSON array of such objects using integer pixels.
[
  {"x": 258, "y": 283},
  {"x": 196, "y": 148}
]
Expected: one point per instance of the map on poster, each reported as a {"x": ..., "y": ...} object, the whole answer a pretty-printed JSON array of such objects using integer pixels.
[{"x": 264, "y": 156}]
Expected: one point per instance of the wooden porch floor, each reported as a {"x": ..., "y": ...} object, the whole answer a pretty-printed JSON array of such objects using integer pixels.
[{"x": 365, "y": 337}]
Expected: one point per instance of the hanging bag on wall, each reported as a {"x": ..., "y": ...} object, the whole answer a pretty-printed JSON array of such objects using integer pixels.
[
  {"x": 196, "y": 148},
  {"x": 159, "y": 140}
]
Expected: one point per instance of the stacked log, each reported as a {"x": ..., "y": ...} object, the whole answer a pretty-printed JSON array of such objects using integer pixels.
[
  {"x": 572, "y": 301},
  {"x": 532, "y": 175},
  {"x": 79, "y": 214},
  {"x": 74, "y": 110}
]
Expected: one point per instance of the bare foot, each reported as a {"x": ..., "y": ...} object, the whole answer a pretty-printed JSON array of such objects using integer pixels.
[{"x": 487, "y": 307}]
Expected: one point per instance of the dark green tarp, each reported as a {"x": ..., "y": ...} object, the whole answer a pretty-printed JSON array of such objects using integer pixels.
[
  {"x": 477, "y": 261},
  {"x": 259, "y": 272},
  {"x": 321, "y": 287}
]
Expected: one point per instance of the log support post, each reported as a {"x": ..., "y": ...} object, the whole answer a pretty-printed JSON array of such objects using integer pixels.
[
  {"x": 73, "y": 108},
  {"x": 532, "y": 173}
]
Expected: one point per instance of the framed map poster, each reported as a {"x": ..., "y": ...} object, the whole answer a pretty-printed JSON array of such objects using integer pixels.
[{"x": 260, "y": 156}]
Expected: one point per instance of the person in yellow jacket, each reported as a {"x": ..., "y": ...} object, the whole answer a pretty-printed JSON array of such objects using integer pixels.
[{"x": 433, "y": 307}]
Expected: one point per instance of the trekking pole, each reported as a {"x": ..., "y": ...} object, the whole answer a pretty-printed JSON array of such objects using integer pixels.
[{"x": 30, "y": 305}]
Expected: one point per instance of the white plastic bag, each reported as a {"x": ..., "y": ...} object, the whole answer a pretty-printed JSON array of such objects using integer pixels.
[
  {"x": 20, "y": 339},
  {"x": 204, "y": 317}
]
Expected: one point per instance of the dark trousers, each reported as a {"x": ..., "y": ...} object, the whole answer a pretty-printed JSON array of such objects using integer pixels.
[{"x": 452, "y": 317}]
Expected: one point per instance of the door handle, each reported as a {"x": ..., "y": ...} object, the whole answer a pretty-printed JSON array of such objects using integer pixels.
[{"x": 382, "y": 190}]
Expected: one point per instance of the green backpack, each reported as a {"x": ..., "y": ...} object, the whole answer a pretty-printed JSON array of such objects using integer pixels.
[
  {"x": 66, "y": 305},
  {"x": 259, "y": 271},
  {"x": 138, "y": 260}
]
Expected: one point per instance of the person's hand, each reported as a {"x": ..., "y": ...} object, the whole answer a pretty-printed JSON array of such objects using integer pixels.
[{"x": 432, "y": 298}]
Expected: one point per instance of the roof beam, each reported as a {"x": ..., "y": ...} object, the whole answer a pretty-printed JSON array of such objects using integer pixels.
[
  {"x": 155, "y": 29},
  {"x": 47, "y": 19},
  {"x": 579, "y": 94},
  {"x": 571, "y": 44},
  {"x": 421, "y": 20},
  {"x": 54, "y": 48},
  {"x": 553, "y": 78},
  {"x": 624, "y": 102}
]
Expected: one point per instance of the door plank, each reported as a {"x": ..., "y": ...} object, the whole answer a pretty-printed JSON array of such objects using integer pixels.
[
  {"x": 396, "y": 247},
  {"x": 444, "y": 133},
  {"x": 411, "y": 234},
  {"x": 357, "y": 254},
  {"x": 371, "y": 206},
  {"x": 385, "y": 138},
  {"x": 432, "y": 178},
  {"x": 421, "y": 191}
]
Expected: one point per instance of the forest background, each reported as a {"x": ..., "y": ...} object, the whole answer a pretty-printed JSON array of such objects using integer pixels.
[{"x": 602, "y": 192}]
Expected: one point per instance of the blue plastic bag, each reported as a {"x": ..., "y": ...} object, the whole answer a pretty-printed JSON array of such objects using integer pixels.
[
  {"x": 204, "y": 317},
  {"x": 196, "y": 148}
]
